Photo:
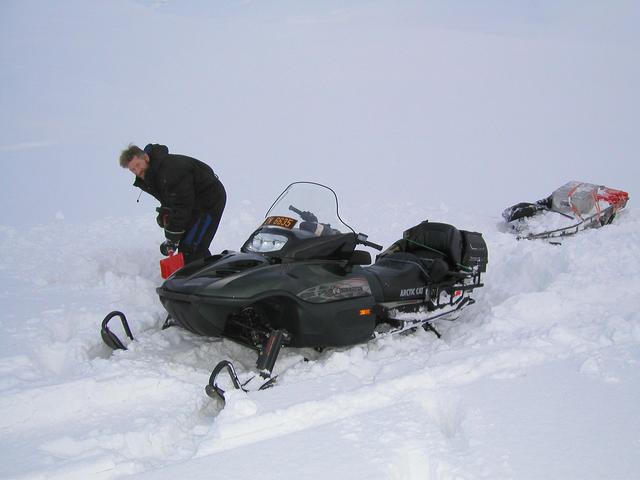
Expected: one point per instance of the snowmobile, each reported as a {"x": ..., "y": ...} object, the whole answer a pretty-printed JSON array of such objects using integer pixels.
[
  {"x": 299, "y": 280},
  {"x": 573, "y": 207}
]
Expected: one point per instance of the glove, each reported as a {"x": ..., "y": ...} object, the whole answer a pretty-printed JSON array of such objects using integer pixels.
[
  {"x": 162, "y": 219},
  {"x": 163, "y": 216},
  {"x": 168, "y": 247}
]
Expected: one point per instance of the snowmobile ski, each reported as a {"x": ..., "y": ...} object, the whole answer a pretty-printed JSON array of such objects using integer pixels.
[
  {"x": 214, "y": 391},
  {"x": 110, "y": 338}
]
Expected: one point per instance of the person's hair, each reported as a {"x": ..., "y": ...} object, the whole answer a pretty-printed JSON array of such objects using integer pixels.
[{"x": 128, "y": 153}]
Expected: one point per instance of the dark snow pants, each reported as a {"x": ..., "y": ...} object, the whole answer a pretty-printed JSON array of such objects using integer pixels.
[{"x": 194, "y": 245}]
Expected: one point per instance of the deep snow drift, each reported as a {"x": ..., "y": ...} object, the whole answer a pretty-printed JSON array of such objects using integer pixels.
[{"x": 538, "y": 379}]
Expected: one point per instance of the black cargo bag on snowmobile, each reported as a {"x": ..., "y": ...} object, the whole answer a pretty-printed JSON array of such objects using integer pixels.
[{"x": 461, "y": 250}]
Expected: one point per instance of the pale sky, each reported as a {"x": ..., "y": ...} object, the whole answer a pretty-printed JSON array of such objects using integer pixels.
[{"x": 474, "y": 105}]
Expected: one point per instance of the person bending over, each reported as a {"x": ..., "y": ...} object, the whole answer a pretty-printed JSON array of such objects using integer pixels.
[{"x": 191, "y": 197}]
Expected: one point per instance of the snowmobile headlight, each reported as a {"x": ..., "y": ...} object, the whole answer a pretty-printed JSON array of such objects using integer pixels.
[
  {"x": 266, "y": 242},
  {"x": 343, "y": 289}
]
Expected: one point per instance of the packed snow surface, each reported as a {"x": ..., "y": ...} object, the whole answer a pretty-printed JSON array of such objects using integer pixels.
[{"x": 537, "y": 380}]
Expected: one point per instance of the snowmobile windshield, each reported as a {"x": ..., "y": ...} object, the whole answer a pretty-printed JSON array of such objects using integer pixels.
[
  {"x": 308, "y": 205},
  {"x": 303, "y": 210}
]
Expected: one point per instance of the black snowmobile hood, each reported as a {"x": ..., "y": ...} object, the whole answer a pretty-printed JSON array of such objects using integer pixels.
[
  {"x": 243, "y": 276},
  {"x": 196, "y": 277}
]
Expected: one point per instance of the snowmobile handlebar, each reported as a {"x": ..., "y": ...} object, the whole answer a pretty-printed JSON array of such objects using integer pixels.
[
  {"x": 306, "y": 216},
  {"x": 310, "y": 217},
  {"x": 362, "y": 240}
]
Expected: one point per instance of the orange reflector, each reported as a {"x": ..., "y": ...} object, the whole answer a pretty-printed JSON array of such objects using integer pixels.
[{"x": 365, "y": 311}]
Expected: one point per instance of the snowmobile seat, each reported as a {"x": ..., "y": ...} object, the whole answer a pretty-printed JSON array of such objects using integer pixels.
[
  {"x": 460, "y": 251},
  {"x": 435, "y": 240},
  {"x": 431, "y": 241},
  {"x": 397, "y": 264}
]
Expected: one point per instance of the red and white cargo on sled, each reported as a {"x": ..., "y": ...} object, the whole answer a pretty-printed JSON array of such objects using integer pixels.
[{"x": 573, "y": 207}]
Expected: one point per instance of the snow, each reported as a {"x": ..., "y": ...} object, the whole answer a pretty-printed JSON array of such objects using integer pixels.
[
  {"x": 415, "y": 111},
  {"x": 536, "y": 380}
]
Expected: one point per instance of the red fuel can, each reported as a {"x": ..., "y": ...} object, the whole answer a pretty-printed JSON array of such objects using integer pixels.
[{"x": 171, "y": 264}]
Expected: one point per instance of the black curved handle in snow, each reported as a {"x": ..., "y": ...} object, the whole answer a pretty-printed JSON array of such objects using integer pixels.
[
  {"x": 212, "y": 389},
  {"x": 110, "y": 338}
]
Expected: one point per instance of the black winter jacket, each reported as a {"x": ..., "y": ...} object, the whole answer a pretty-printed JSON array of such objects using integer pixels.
[{"x": 184, "y": 185}]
